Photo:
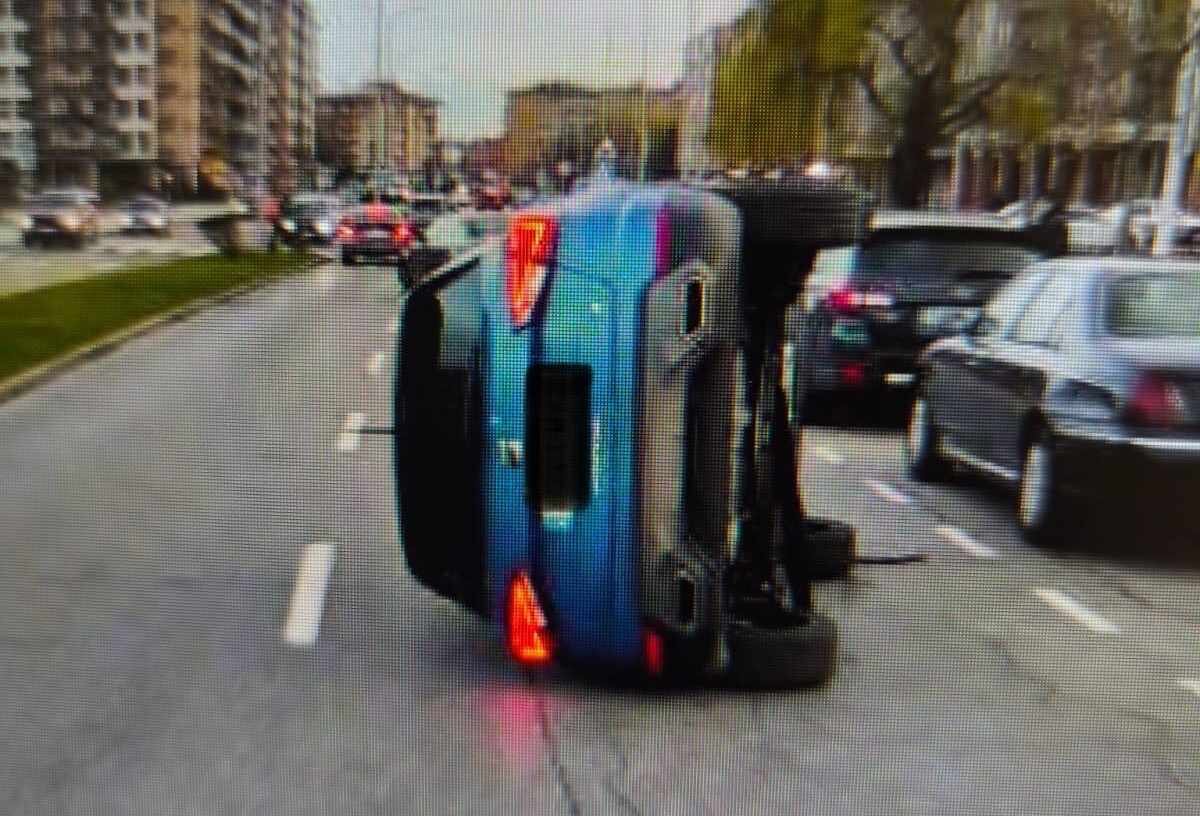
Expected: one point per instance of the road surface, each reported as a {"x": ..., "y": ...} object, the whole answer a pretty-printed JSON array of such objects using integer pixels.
[{"x": 174, "y": 513}]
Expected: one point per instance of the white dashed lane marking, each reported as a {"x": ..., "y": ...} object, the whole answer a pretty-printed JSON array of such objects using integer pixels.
[
  {"x": 1189, "y": 684},
  {"x": 1079, "y": 613},
  {"x": 348, "y": 439},
  {"x": 886, "y": 492},
  {"x": 375, "y": 364},
  {"x": 308, "y": 595},
  {"x": 828, "y": 456},
  {"x": 960, "y": 539}
]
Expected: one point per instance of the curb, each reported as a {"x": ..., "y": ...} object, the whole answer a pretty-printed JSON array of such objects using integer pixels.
[{"x": 28, "y": 380}]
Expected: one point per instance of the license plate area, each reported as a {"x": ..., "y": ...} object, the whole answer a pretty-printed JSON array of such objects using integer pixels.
[{"x": 558, "y": 437}]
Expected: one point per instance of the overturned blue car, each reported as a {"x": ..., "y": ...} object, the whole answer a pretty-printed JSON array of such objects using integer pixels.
[{"x": 594, "y": 448}]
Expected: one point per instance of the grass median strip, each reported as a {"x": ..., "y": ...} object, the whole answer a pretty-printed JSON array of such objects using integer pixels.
[{"x": 41, "y": 325}]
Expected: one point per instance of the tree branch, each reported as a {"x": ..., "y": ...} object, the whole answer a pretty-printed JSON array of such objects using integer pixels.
[
  {"x": 971, "y": 104},
  {"x": 874, "y": 97},
  {"x": 895, "y": 47}
]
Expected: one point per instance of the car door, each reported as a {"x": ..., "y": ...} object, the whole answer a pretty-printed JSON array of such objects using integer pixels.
[
  {"x": 1014, "y": 380},
  {"x": 961, "y": 405}
]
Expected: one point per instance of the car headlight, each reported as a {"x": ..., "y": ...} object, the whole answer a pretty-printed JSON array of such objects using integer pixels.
[
  {"x": 323, "y": 227},
  {"x": 156, "y": 221},
  {"x": 287, "y": 225},
  {"x": 26, "y": 222},
  {"x": 69, "y": 222}
]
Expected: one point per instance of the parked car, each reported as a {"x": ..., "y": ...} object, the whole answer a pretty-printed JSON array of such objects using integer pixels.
[
  {"x": 1079, "y": 384},
  {"x": 377, "y": 233},
  {"x": 867, "y": 310},
  {"x": 68, "y": 216},
  {"x": 306, "y": 220},
  {"x": 590, "y": 448},
  {"x": 146, "y": 213}
]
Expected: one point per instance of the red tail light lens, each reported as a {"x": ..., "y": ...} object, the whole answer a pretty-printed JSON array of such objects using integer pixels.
[
  {"x": 653, "y": 653},
  {"x": 402, "y": 233},
  {"x": 662, "y": 243},
  {"x": 345, "y": 232},
  {"x": 1155, "y": 402},
  {"x": 847, "y": 300},
  {"x": 529, "y": 639},
  {"x": 532, "y": 241}
]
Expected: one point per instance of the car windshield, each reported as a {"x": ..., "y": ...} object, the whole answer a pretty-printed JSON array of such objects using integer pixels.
[
  {"x": 929, "y": 261},
  {"x": 1154, "y": 305}
]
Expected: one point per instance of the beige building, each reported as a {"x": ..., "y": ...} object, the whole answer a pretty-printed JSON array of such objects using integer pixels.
[
  {"x": 380, "y": 126},
  {"x": 290, "y": 104},
  {"x": 556, "y": 122}
]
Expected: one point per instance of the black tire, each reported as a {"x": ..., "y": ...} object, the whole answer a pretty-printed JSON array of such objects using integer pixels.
[
  {"x": 784, "y": 653},
  {"x": 1041, "y": 508},
  {"x": 348, "y": 259},
  {"x": 922, "y": 445},
  {"x": 828, "y": 550},
  {"x": 28, "y": 241}
]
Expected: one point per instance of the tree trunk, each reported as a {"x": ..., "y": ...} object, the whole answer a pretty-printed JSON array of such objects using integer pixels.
[{"x": 909, "y": 173}]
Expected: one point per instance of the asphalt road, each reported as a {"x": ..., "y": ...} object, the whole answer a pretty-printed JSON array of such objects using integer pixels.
[{"x": 157, "y": 505}]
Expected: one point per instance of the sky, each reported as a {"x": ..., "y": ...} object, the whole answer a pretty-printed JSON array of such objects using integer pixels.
[{"x": 467, "y": 53}]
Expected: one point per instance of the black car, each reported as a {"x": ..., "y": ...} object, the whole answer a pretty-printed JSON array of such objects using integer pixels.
[
  {"x": 866, "y": 311},
  {"x": 306, "y": 220},
  {"x": 1079, "y": 380}
]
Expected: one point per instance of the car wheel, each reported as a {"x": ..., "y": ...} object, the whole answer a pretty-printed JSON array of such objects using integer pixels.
[
  {"x": 348, "y": 259},
  {"x": 28, "y": 241},
  {"x": 1040, "y": 505},
  {"x": 922, "y": 445},
  {"x": 782, "y": 651}
]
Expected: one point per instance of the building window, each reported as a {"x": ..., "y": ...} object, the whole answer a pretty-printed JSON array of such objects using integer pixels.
[
  {"x": 87, "y": 107},
  {"x": 7, "y": 109},
  {"x": 5, "y": 75},
  {"x": 57, "y": 106},
  {"x": 143, "y": 75},
  {"x": 143, "y": 143},
  {"x": 141, "y": 42},
  {"x": 123, "y": 76},
  {"x": 85, "y": 8},
  {"x": 83, "y": 41},
  {"x": 141, "y": 8},
  {"x": 3, "y": 41},
  {"x": 121, "y": 42},
  {"x": 124, "y": 109},
  {"x": 6, "y": 141},
  {"x": 20, "y": 41},
  {"x": 126, "y": 142},
  {"x": 4, "y": 9},
  {"x": 143, "y": 109}
]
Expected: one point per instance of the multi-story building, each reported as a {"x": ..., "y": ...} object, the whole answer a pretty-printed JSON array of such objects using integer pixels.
[
  {"x": 381, "y": 126},
  {"x": 560, "y": 124},
  {"x": 18, "y": 148},
  {"x": 290, "y": 106},
  {"x": 92, "y": 64}
]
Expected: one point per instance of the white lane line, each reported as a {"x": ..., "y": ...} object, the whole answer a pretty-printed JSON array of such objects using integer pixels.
[
  {"x": 348, "y": 439},
  {"x": 375, "y": 365},
  {"x": 308, "y": 596},
  {"x": 887, "y": 492},
  {"x": 828, "y": 456},
  {"x": 965, "y": 542},
  {"x": 1189, "y": 684},
  {"x": 394, "y": 326},
  {"x": 1077, "y": 611}
]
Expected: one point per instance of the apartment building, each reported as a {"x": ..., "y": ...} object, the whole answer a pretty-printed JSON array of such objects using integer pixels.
[
  {"x": 290, "y": 108},
  {"x": 381, "y": 125},
  {"x": 18, "y": 148}
]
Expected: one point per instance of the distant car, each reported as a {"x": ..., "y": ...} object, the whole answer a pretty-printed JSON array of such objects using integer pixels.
[
  {"x": 146, "y": 213},
  {"x": 61, "y": 216},
  {"x": 1080, "y": 385},
  {"x": 306, "y": 220},
  {"x": 866, "y": 311},
  {"x": 376, "y": 232}
]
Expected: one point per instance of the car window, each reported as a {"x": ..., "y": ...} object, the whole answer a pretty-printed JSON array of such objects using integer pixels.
[
  {"x": 1004, "y": 307},
  {"x": 1043, "y": 313},
  {"x": 923, "y": 262},
  {"x": 1153, "y": 305}
]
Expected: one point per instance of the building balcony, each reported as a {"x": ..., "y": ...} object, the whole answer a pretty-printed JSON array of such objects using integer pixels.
[
  {"x": 221, "y": 22},
  {"x": 243, "y": 11}
]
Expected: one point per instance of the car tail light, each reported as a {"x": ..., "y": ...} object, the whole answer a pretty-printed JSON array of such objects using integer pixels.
[
  {"x": 848, "y": 300},
  {"x": 529, "y": 639},
  {"x": 402, "y": 233},
  {"x": 345, "y": 232},
  {"x": 653, "y": 653},
  {"x": 532, "y": 241},
  {"x": 1155, "y": 402},
  {"x": 853, "y": 375}
]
